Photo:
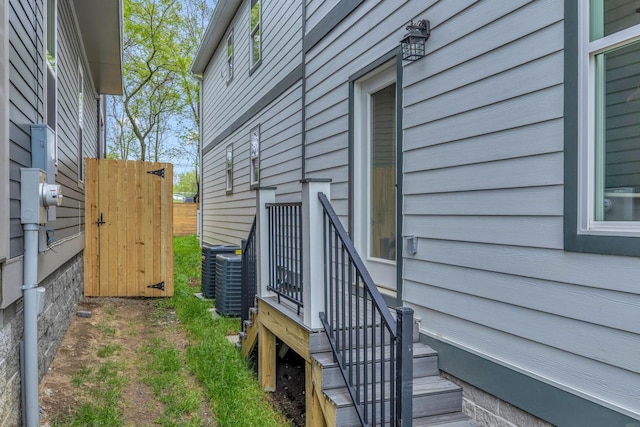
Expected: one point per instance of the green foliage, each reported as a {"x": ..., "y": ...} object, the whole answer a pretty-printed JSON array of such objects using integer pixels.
[
  {"x": 237, "y": 398},
  {"x": 186, "y": 182},
  {"x": 161, "y": 98}
]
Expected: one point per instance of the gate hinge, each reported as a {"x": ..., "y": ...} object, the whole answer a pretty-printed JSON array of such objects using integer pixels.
[
  {"x": 159, "y": 172},
  {"x": 157, "y": 286}
]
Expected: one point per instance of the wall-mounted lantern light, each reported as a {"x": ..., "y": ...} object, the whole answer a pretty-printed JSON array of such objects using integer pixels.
[{"x": 413, "y": 41}]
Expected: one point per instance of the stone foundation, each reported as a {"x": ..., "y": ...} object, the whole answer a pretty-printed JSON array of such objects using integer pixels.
[
  {"x": 491, "y": 411},
  {"x": 63, "y": 292}
]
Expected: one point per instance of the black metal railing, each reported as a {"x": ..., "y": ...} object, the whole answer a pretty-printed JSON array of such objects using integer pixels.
[
  {"x": 285, "y": 251},
  {"x": 373, "y": 349},
  {"x": 249, "y": 273}
]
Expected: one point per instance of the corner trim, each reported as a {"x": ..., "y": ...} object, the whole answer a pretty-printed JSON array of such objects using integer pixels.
[
  {"x": 328, "y": 23},
  {"x": 545, "y": 401},
  {"x": 274, "y": 93}
]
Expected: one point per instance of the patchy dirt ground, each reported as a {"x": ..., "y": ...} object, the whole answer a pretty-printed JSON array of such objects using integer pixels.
[{"x": 127, "y": 323}]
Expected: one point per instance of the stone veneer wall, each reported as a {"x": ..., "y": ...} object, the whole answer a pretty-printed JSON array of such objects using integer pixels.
[
  {"x": 492, "y": 411},
  {"x": 63, "y": 292}
]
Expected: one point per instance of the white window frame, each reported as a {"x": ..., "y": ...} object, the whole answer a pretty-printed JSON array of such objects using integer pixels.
[
  {"x": 230, "y": 56},
  {"x": 228, "y": 162},
  {"x": 54, "y": 71},
  {"x": 254, "y": 63},
  {"x": 80, "y": 111},
  {"x": 587, "y": 51},
  {"x": 254, "y": 156}
]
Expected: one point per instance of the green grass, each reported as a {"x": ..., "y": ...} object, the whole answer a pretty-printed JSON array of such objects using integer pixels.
[
  {"x": 104, "y": 388},
  {"x": 107, "y": 330},
  {"x": 164, "y": 372},
  {"x": 229, "y": 382},
  {"x": 107, "y": 350}
]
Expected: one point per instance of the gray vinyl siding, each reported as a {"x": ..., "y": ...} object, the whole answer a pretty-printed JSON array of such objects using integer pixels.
[
  {"x": 329, "y": 66},
  {"x": 227, "y": 218},
  {"x": 483, "y": 191},
  {"x": 483, "y": 133},
  {"x": 70, "y": 217},
  {"x": 27, "y": 106},
  {"x": 26, "y": 88},
  {"x": 223, "y": 102},
  {"x": 318, "y": 9}
]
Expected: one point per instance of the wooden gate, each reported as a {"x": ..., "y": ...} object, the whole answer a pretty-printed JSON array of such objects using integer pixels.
[{"x": 128, "y": 228}]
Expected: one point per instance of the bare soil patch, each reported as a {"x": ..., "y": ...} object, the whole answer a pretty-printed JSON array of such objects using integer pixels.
[{"x": 126, "y": 324}]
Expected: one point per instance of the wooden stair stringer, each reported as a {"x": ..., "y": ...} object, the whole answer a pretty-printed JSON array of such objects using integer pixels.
[{"x": 249, "y": 334}]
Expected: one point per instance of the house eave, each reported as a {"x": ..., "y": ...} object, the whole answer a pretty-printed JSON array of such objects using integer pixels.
[
  {"x": 100, "y": 23},
  {"x": 222, "y": 16}
]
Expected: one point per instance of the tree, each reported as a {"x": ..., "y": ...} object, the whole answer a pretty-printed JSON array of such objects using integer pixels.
[
  {"x": 158, "y": 116},
  {"x": 185, "y": 183},
  {"x": 196, "y": 15}
]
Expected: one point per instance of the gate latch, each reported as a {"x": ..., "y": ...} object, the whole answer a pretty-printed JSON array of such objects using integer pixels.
[
  {"x": 100, "y": 221},
  {"x": 159, "y": 172},
  {"x": 157, "y": 286}
]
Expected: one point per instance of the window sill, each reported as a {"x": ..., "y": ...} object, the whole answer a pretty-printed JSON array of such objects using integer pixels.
[
  {"x": 254, "y": 67},
  {"x": 602, "y": 244}
]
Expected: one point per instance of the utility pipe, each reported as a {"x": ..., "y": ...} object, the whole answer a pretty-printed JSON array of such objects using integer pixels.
[{"x": 30, "y": 310}]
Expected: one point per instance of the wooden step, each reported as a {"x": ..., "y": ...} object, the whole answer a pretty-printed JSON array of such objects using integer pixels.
[
  {"x": 456, "y": 419},
  {"x": 425, "y": 363},
  {"x": 431, "y": 396}
]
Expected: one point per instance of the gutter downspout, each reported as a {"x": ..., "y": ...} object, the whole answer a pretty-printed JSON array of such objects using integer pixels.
[
  {"x": 30, "y": 311},
  {"x": 200, "y": 158}
]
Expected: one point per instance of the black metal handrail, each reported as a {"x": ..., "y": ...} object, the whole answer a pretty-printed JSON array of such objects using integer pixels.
[
  {"x": 285, "y": 251},
  {"x": 249, "y": 273},
  {"x": 371, "y": 347}
]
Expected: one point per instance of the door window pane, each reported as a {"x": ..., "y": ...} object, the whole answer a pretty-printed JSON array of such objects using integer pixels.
[{"x": 383, "y": 174}]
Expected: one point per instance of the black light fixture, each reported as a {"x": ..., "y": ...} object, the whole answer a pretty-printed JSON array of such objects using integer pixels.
[{"x": 413, "y": 42}]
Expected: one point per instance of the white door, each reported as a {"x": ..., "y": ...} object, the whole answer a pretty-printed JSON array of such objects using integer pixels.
[{"x": 375, "y": 174}]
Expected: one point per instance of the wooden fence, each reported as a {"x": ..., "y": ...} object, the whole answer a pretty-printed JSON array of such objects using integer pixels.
[
  {"x": 128, "y": 235},
  {"x": 185, "y": 218}
]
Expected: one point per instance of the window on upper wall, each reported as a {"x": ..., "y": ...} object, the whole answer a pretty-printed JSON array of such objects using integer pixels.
[
  {"x": 229, "y": 169},
  {"x": 80, "y": 110},
  {"x": 51, "y": 73},
  {"x": 254, "y": 156},
  {"x": 230, "y": 57},
  {"x": 256, "y": 34},
  {"x": 607, "y": 183}
]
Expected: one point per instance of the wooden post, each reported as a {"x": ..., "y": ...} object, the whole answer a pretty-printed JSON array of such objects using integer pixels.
[
  {"x": 266, "y": 358},
  {"x": 312, "y": 250},
  {"x": 264, "y": 195}
]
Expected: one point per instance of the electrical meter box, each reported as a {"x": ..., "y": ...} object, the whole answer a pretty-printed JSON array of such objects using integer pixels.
[
  {"x": 32, "y": 210},
  {"x": 43, "y": 156}
]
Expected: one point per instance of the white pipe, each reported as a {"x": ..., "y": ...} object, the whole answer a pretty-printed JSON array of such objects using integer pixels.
[{"x": 30, "y": 301}]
